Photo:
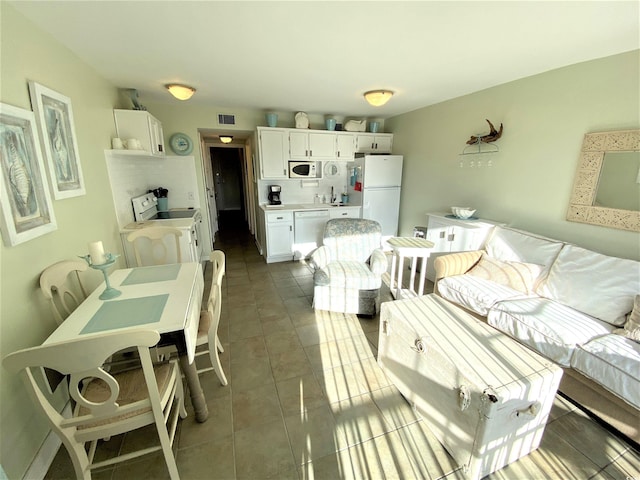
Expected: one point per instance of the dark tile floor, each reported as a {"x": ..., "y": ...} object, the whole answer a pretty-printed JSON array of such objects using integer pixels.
[{"x": 307, "y": 400}]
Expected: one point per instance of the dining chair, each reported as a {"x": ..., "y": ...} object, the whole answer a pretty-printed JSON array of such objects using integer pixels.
[
  {"x": 62, "y": 286},
  {"x": 210, "y": 318},
  {"x": 106, "y": 404},
  {"x": 153, "y": 245}
]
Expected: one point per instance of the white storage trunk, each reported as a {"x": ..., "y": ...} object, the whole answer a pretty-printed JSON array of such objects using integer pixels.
[{"x": 484, "y": 396}]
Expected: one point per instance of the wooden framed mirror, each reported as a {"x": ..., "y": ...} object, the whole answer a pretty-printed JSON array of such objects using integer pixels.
[{"x": 606, "y": 190}]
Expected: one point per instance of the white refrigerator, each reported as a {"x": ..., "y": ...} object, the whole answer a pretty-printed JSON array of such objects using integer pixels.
[{"x": 374, "y": 184}]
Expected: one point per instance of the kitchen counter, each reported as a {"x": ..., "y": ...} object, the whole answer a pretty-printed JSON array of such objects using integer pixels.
[{"x": 304, "y": 206}]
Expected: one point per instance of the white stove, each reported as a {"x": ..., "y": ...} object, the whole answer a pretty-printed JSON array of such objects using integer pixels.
[
  {"x": 146, "y": 214},
  {"x": 145, "y": 207}
]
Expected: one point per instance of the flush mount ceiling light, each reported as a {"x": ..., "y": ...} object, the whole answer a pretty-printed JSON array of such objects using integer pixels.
[
  {"x": 181, "y": 92},
  {"x": 378, "y": 97},
  {"x": 226, "y": 138}
]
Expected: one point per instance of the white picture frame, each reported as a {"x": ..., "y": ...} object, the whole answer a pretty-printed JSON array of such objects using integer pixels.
[
  {"x": 26, "y": 207},
  {"x": 58, "y": 139}
]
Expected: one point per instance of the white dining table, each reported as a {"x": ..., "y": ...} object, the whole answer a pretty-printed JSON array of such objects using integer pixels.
[{"x": 165, "y": 298}]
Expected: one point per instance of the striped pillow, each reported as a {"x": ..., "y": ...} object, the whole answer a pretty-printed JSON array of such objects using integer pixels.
[{"x": 516, "y": 275}]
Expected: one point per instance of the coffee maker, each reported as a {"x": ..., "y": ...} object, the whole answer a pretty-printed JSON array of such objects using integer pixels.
[{"x": 274, "y": 194}]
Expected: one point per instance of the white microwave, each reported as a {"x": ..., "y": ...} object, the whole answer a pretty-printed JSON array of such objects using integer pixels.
[{"x": 302, "y": 169}]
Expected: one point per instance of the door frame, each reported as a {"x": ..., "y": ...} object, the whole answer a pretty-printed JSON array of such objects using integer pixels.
[{"x": 207, "y": 140}]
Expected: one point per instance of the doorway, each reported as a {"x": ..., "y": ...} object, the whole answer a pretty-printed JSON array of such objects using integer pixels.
[{"x": 227, "y": 169}]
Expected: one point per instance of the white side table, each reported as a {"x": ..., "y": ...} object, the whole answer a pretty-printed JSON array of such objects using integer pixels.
[{"x": 408, "y": 247}]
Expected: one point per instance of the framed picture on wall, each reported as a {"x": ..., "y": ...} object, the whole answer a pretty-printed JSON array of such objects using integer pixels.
[
  {"x": 58, "y": 137},
  {"x": 27, "y": 211}
]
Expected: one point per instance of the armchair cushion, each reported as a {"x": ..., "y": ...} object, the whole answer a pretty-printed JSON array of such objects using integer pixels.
[{"x": 350, "y": 274}]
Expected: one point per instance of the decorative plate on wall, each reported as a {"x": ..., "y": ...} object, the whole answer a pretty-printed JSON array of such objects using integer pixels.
[{"x": 181, "y": 144}]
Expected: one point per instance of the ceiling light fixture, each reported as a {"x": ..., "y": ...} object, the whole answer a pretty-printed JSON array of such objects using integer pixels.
[
  {"x": 378, "y": 98},
  {"x": 226, "y": 138},
  {"x": 181, "y": 92}
]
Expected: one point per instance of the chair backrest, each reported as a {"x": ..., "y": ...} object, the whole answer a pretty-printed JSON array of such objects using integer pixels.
[
  {"x": 214, "y": 302},
  {"x": 81, "y": 360},
  {"x": 61, "y": 289},
  {"x": 154, "y": 245},
  {"x": 352, "y": 238}
]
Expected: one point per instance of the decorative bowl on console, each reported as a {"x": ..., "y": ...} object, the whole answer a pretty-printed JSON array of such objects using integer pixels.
[{"x": 463, "y": 212}]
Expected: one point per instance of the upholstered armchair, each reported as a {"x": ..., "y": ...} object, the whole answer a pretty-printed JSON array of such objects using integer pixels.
[{"x": 348, "y": 267}]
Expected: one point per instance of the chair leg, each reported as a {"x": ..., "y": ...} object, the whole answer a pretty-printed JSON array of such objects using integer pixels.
[
  {"x": 180, "y": 397},
  {"x": 219, "y": 345},
  {"x": 217, "y": 366},
  {"x": 79, "y": 459}
]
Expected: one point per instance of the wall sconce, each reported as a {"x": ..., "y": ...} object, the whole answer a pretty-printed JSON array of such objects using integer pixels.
[
  {"x": 181, "y": 92},
  {"x": 378, "y": 98},
  {"x": 226, "y": 138}
]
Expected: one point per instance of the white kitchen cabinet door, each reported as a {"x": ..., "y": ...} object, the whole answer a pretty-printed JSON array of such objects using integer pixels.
[
  {"x": 312, "y": 146},
  {"x": 298, "y": 145},
  {"x": 374, "y": 143},
  {"x": 345, "y": 146},
  {"x": 274, "y": 146},
  {"x": 279, "y": 226}
]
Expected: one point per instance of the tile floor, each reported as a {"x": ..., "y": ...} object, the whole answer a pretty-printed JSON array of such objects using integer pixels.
[{"x": 306, "y": 400}]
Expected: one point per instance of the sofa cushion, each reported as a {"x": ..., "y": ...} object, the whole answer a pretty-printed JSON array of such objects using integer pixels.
[
  {"x": 508, "y": 244},
  {"x": 548, "y": 327},
  {"x": 632, "y": 326},
  {"x": 516, "y": 275},
  {"x": 614, "y": 362},
  {"x": 595, "y": 284},
  {"x": 475, "y": 293}
]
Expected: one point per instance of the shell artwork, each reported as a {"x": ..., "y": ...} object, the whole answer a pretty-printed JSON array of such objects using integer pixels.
[{"x": 20, "y": 181}]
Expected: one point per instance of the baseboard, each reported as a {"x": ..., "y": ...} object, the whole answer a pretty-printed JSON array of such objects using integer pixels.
[{"x": 47, "y": 452}]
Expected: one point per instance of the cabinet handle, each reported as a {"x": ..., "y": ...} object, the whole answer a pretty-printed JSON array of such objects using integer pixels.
[
  {"x": 441, "y": 234},
  {"x": 279, "y": 218},
  {"x": 284, "y": 171},
  {"x": 338, "y": 154},
  {"x": 290, "y": 228},
  {"x": 451, "y": 237},
  {"x": 311, "y": 153},
  {"x": 373, "y": 146}
]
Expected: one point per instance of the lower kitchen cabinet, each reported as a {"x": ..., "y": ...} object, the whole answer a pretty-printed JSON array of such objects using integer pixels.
[
  {"x": 344, "y": 212},
  {"x": 279, "y": 236},
  {"x": 454, "y": 235}
]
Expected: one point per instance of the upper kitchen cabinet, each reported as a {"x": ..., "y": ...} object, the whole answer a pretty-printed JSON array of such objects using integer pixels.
[
  {"x": 143, "y": 126},
  {"x": 310, "y": 145},
  {"x": 345, "y": 146},
  {"x": 374, "y": 142},
  {"x": 273, "y": 148}
]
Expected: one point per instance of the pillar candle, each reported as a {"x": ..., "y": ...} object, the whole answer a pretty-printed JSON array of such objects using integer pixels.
[{"x": 96, "y": 252}]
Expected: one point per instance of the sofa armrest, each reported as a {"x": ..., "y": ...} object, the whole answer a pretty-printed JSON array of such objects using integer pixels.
[
  {"x": 319, "y": 258},
  {"x": 455, "y": 263},
  {"x": 378, "y": 262}
]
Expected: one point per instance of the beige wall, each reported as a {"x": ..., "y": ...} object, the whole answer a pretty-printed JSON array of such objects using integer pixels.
[
  {"x": 29, "y": 54},
  {"x": 545, "y": 118}
]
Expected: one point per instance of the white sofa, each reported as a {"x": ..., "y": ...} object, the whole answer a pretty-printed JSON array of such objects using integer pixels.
[{"x": 568, "y": 303}]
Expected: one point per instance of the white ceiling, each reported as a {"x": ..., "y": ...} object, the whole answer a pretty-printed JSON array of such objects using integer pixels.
[{"x": 320, "y": 57}]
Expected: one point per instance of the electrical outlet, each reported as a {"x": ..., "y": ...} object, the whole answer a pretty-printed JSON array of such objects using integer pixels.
[{"x": 190, "y": 196}]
